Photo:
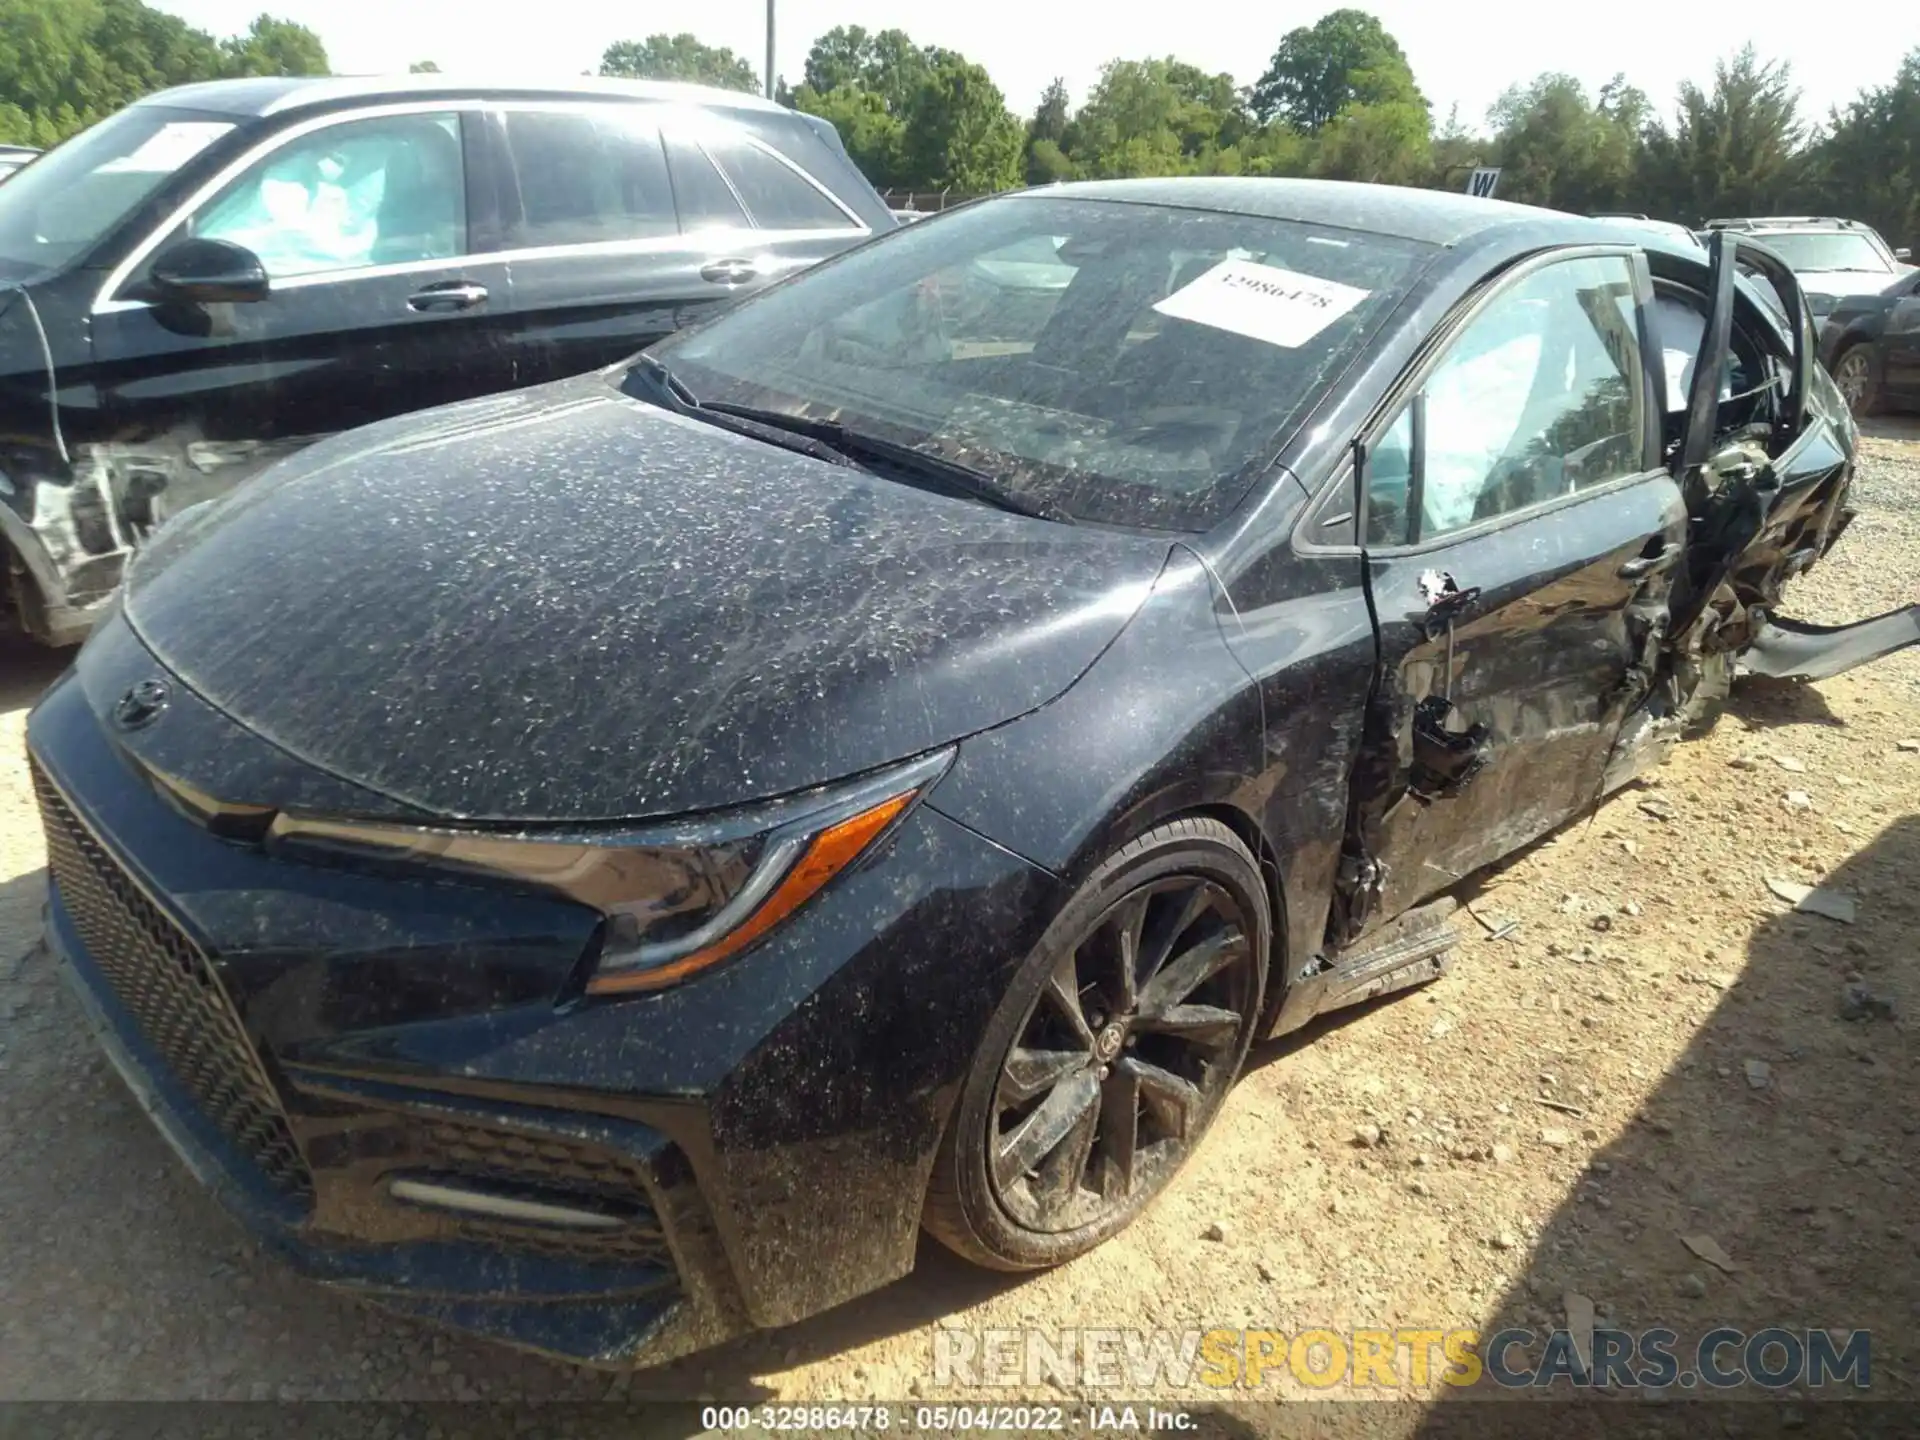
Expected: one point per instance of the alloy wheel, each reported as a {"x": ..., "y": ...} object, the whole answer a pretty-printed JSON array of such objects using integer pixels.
[
  {"x": 1123, "y": 1056},
  {"x": 1854, "y": 379}
]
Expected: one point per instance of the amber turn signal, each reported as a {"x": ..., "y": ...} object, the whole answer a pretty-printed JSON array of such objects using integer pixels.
[{"x": 832, "y": 850}]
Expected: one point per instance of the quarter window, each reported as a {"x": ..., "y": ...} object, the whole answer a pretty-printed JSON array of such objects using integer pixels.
[
  {"x": 1542, "y": 395},
  {"x": 384, "y": 191},
  {"x": 777, "y": 196},
  {"x": 587, "y": 177}
]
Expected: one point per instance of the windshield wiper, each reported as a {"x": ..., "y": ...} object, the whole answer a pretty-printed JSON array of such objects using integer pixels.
[
  {"x": 972, "y": 483},
  {"x": 668, "y": 390}
]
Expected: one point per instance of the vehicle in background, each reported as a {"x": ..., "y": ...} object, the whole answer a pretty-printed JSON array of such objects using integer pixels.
[
  {"x": 907, "y": 217},
  {"x": 1870, "y": 344},
  {"x": 1671, "y": 229},
  {"x": 226, "y": 272},
  {"x": 14, "y": 157},
  {"x": 1834, "y": 258}
]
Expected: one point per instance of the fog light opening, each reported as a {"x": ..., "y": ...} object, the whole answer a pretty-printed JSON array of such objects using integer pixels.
[{"x": 460, "y": 1200}]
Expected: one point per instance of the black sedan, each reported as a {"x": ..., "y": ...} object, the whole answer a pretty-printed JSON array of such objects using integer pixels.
[
  {"x": 605, "y": 865},
  {"x": 1871, "y": 343}
]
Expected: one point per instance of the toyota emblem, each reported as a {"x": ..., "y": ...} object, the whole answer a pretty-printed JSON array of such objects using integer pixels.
[{"x": 141, "y": 705}]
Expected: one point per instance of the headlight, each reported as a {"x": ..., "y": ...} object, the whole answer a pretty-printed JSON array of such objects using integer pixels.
[{"x": 676, "y": 898}]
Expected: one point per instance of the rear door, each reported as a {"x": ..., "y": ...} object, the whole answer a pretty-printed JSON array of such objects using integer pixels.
[
  {"x": 1520, "y": 534},
  {"x": 382, "y": 300},
  {"x": 629, "y": 221}
]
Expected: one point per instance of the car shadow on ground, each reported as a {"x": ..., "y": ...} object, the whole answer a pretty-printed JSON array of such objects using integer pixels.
[
  {"x": 1766, "y": 1181},
  {"x": 27, "y": 669}
]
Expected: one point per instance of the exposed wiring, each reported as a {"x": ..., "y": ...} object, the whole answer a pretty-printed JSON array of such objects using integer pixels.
[{"x": 46, "y": 359}]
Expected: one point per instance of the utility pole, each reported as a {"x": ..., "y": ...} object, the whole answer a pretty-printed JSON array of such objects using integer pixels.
[{"x": 770, "y": 5}]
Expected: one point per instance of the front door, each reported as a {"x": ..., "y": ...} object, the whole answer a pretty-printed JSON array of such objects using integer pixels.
[
  {"x": 1519, "y": 540},
  {"x": 378, "y": 306}
]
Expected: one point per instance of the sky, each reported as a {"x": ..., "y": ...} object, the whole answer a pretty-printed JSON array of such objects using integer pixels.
[{"x": 1463, "y": 53}]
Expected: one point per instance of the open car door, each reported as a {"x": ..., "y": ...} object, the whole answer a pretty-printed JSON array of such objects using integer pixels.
[{"x": 1766, "y": 491}]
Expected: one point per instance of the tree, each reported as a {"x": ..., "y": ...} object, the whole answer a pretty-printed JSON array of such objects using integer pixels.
[
  {"x": 1734, "y": 150},
  {"x": 1557, "y": 147},
  {"x": 873, "y": 135},
  {"x": 959, "y": 132},
  {"x": 888, "y": 64},
  {"x": 66, "y": 63},
  {"x": 1390, "y": 143},
  {"x": 679, "y": 57},
  {"x": 275, "y": 47},
  {"x": 423, "y": 67},
  {"x": 1159, "y": 117},
  {"x": 1047, "y": 160},
  {"x": 1345, "y": 58},
  {"x": 1868, "y": 165}
]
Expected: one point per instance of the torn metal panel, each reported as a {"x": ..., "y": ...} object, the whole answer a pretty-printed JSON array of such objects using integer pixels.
[
  {"x": 1786, "y": 649},
  {"x": 73, "y": 531}
]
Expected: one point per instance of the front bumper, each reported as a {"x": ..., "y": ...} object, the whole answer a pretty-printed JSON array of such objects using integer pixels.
[{"x": 759, "y": 1138}]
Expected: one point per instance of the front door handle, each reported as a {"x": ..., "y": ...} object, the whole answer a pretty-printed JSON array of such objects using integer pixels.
[
  {"x": 728, "y": 272},
  {"x": 1663, "y": 559},
  {"x": 449, "y": 295}
]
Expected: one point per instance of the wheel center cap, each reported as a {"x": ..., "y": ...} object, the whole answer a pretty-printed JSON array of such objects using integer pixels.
[{"x": 1107, "y": 1043}]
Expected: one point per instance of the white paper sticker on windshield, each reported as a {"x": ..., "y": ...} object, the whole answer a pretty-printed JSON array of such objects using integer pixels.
[
  {"x": 171, "y": 146},
  {"x": 1262, "y": 302}
]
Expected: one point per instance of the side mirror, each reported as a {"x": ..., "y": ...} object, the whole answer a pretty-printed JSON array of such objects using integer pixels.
[{"x": 205, "y": 271}]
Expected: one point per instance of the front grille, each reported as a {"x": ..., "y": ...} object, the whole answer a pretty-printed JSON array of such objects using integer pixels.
[
  {"x": 566, "y": 1170},
  {"x": 167, "y": 984}
]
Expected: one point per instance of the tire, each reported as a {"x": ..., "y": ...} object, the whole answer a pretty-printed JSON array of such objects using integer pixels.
[
  {"x": 1859, "y": 385},
  {"x": 1192, "y": 898}
]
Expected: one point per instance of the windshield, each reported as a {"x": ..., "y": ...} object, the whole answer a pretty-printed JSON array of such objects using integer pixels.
[
  {"x": 1121, "y": 363},
  {"x": 58, "y": 208},
  {"x": 1812, "y": 251}
]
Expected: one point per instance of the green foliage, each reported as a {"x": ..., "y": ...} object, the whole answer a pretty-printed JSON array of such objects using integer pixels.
[
  {"x": 423, "y": 67},
  {"x": 1389, "y": 143},
  {"x": 1733, "y": 150},
  {"x": 873, "y": 135},
  {"x": 679, "y": 57},
  {"x": 1159, "y": 117},
  {"x": 888, "y": 64},
  {"x": 1345, "y": 58},
  {"x": 67, "y": 63},
  {"x": 959, "y": 133},
  {"x": 274, "y": 47},
  {"x": 1868, "y": 165},
  {"x": 1557, "y": 147}
]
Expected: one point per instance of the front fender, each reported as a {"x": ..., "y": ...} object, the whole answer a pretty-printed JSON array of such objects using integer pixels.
[{"x": 1165, "y": 723}]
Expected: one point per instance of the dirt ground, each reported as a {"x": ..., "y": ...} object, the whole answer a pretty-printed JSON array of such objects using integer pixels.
[{"x": 1656, "y": 1050}]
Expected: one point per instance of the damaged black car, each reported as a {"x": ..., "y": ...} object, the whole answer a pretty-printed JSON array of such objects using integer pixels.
[{"x": 606, "y": 866}]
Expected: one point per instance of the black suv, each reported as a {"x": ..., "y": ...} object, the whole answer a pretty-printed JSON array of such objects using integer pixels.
[
  {"x": 1833, "y": 257},
  {"x": 223, "y": 273}
]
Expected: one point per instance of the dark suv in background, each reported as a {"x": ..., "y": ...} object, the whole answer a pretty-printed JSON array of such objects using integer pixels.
[
  {"x": 223, "y": 273},
  {"x": 1833, "y": 258}
]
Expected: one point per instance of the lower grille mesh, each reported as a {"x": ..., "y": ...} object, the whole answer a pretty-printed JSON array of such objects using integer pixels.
[
  {"x": 167, "y": 984},
  {"x": 568, "y": 1171}
]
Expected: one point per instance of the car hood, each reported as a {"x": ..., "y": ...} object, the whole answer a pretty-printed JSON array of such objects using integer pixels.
[
  {"x": 1842, "y": 284},
  {"x": 567, "y": 605}
]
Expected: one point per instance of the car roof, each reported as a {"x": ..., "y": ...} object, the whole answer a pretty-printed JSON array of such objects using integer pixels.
[
  {"x": 1437, "y": 217},
  {"x": 1788, "y": 222},
  {"x": 263, "y": 96}
]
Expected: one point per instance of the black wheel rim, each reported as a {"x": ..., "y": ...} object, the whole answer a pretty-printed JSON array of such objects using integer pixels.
[{"x": 1123, "y": 1057}]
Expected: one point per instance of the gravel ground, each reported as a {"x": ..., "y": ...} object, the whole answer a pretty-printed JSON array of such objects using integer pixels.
[{"x": 1550, "y": 1118}]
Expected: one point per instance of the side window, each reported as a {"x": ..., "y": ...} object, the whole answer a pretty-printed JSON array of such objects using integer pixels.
[
  {"x": 705, "y": 199},
  {"x": 382, "y": 191},
  {"x": 587, "y": 177},
  {"x": 777, "y": 196},
  {"x": 1540, "y": 396}
]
